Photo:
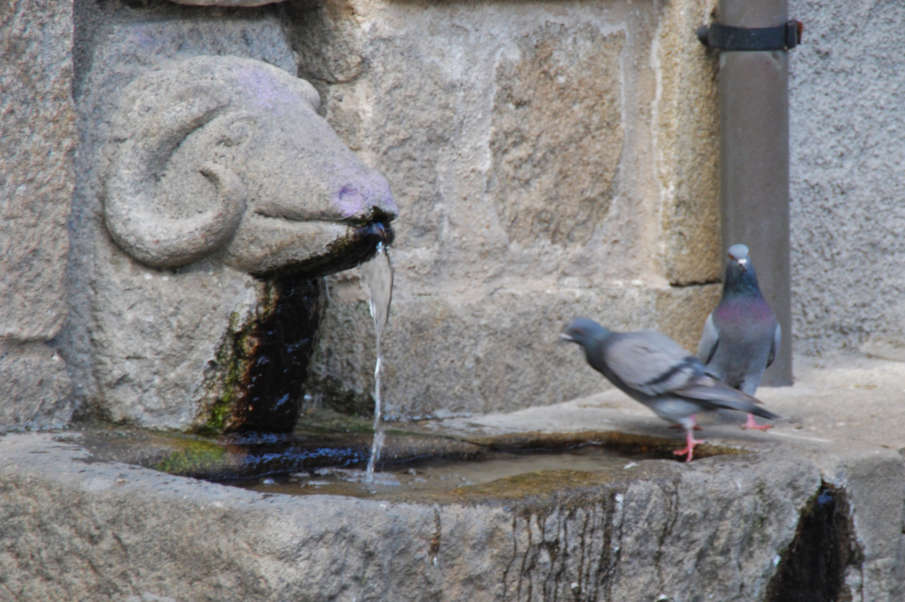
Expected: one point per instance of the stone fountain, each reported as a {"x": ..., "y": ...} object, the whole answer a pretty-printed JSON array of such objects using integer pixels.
[
  {"x": 208, "y": 190},
  {"x": 221, "y": 198}
]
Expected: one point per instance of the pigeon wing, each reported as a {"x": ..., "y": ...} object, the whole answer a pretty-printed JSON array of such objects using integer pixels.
[
  {"x": 774, "y": 347},
  {"x": 650, "y": 363},
  {"x": 710, "y": 338},
  {"x": 653, "y": 365}
]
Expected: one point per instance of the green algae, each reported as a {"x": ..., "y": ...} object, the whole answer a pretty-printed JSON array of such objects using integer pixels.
[
  {"x": 335, "y": 396},
  {"x": 166, "y": 451},
  {"x": 196, "y": 457},
  {"x": 225, "y": 384}
]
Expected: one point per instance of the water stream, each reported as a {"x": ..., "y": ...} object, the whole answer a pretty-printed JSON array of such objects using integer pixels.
[{"x": 377, "y": 280}]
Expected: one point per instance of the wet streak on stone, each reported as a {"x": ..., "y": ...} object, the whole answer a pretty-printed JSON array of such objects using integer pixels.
[
  {"x": 813, "y": 567},
  {"x": 342, "y": 254},
  {"x": 278, "y": 366}
]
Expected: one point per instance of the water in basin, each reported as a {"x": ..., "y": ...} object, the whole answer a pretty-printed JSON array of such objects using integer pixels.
[{"x": 498, "y": 475}]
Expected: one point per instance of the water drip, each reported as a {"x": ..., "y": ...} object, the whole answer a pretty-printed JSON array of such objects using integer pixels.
[
  {"x": 813, "y": 567},
  {"x": 377, "y": 279}
]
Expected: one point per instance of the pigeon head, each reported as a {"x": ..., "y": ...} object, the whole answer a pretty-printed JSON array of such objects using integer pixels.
[
  {"x": 740, "y": 274},
  {"x": 583, "y": 331},
  {"x": 738, "y": 253}
]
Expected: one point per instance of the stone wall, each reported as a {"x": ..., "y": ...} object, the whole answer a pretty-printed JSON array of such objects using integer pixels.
[
  {"x": 550, "y": 160},
  {"x": 37, "y": 127},
  {"x": 846, "y": 117}
]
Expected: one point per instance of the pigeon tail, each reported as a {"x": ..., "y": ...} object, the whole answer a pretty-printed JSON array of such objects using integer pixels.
[{"x": 720, "y": 396}]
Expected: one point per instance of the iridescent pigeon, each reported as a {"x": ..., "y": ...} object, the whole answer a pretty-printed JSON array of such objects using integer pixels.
[
  {"x": 741, "y": 335},
  {"x": 652, "y": 368}
]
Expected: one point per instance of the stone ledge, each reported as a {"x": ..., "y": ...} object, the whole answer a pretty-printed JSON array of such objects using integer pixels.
[
  {"x": 79, "y": 529},
  {"x": 724, "y": 527}
]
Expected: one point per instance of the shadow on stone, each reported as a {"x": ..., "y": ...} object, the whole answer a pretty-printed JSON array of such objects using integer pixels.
[{"x": 813, "y": 567}]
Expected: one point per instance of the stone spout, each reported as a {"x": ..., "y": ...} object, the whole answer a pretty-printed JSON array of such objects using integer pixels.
[
  {"x": 228, "y": 154},
  {"x": 223, "y": 196}
]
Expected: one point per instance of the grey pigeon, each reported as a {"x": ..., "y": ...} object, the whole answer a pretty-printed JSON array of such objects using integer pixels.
[
  {"x": 652, "y": 368},
  {"x": 741, "y": 335}
]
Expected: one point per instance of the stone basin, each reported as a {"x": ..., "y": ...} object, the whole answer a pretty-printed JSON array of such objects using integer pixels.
[
  {"x": 420, "y": 462},
  {"x": 813, "y": 508}
]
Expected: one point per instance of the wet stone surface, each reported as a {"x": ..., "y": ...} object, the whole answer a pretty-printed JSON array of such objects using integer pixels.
[
  {"x": 557, "y": 523},
  {"x": 528, "y": 505},
  {"x": 825, "y": 546},
  {"x": 278, "y": 365},
  {"x": 495, "y": 477},
  {"x": 329, "y": 454}
]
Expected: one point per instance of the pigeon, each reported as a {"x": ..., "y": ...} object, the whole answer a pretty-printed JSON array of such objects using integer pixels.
[
  {"x": 741, "y": 335},
  {"x": 652, "y": 368}
]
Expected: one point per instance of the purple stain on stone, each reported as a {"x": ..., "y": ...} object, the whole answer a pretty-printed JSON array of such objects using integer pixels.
[
  {"x": 370, "y": 191},
  {"x": 350, "y": 201}
]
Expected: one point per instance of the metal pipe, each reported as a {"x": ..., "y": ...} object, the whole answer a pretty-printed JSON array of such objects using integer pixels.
[{"x": 754, "y": 162}]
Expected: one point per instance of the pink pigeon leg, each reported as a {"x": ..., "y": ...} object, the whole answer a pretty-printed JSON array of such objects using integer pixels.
[
  {"x": 688, "y": 450},
  {"x": 753, "y": 425},
  {"x": 691, "y": 419},
  {"x": 689, "y": 424}
]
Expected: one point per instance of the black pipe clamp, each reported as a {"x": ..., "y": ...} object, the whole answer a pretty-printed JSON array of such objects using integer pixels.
[{"x": 728, "y": 37}]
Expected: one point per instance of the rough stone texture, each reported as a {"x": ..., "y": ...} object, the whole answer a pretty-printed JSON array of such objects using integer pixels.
[
  {"x": 327, "y": 38},
  {"x": 842, "y": 416},
  {"x": 719, "y": 528},
  {"x": 847, "y": 213},
  {"x": 686, "y": 146},
  {"x": 114, "y": 44},
  {"x": 521, "y": 145},
  {"x": 429, "y": 370},
  {"x": 874, "y": 482},
  {"x": 132, "y": 532},
  {"x": 195, "y": 172},
  {"x": 36, "y": 386},
  {"x": 226, "y": 3},
  {"x": 224, "y": 153},
  {"x": 37, "y": 126},
  {"x": 557, "y": 134}
]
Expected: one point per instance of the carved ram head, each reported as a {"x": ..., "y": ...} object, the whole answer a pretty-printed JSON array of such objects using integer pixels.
[
  {"x": 228, "y": 155},
  {"x": 217, "y": 170}
]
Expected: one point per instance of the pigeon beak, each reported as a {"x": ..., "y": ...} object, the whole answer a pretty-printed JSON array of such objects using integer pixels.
[
  {"x": 564, "y": 336},
  {"x": 741, "y": 261}
]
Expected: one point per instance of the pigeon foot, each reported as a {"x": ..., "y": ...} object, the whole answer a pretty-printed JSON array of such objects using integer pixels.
[
  {"x": 690, "y": 443},
  {"x": 752, "y": 424}
]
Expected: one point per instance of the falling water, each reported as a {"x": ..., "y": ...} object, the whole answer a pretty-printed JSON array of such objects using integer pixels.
[{"x": 377, "y": 279}]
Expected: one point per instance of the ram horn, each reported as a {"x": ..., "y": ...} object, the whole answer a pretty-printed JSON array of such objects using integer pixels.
[{"x": 154, "y": 120}]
